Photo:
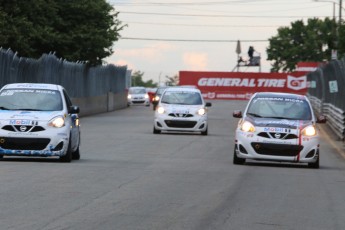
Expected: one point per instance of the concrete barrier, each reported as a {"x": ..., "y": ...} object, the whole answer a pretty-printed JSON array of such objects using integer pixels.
[{"x": 101, "y": 104}]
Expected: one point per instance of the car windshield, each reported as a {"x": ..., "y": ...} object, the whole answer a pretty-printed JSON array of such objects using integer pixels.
[
  {"x": 280, "y": 108},
  {"x": 160, "y": 91},
  {"x": 30, "y": 99},
  {"x": 137, "y": 91},
  {"x": 182, "y": 98}
]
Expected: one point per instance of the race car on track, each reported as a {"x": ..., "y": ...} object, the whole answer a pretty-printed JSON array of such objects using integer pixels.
[
  {"x": 278, "y": 127},
  {"x": 38, "y": 120},
  {"x": 137, "y": 95},
  {"x": 181, "y": 109}
]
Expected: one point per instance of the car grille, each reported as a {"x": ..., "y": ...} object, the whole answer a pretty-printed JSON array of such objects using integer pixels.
[
  {"x": 22, "y": 128},
  {"x": 180, "y": 115},
  {"x": 285, "y": 136},
  {"x": 276, "y": 149},
  {"x": 16, "y": 143},
  {"x": 180, "y": 124},
  {"x": 138, "y": 102}
]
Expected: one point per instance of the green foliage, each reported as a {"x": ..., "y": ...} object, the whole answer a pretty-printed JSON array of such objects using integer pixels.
[
  {"x": 172, "y": 81},
  {"x": 137, "y": 80},
  {"x": 78, "y": 30},
  {"x": 312, "y": 42}
]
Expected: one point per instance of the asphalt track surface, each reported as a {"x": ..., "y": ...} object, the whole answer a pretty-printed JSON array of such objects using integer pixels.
[{"x": 131, "y": 179}]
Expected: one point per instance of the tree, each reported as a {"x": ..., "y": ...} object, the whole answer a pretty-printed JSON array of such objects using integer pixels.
[
  {"x": 172, "y": 81},
  {"x": 77, "y": 30},
  {"x": 137, "y": 80},
  {"x": 313, "y": 42}
]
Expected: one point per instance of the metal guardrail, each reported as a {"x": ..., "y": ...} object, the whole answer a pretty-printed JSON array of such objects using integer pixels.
[
  {"x": 326, "y": 92},
  {"x": 335, "y": 116}
]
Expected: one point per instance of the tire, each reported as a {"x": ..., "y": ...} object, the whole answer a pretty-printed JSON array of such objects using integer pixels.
[
  {"x": 237, "y": 160},
  {"x": 76, "y": 154},
  {"x": 204, "y": 133},
  {"x": 156, "y": 131},
  {"x": 68, "y": 157},
  {"x": 316, "y": 164}
]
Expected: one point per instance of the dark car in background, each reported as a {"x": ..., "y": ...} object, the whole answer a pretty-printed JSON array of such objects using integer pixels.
[{"x": 157, "y": 96}]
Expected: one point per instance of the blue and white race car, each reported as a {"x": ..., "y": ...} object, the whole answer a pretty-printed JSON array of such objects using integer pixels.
[
  {"x": 38, "y": 120},
  {"x": 278, "y": 127}
]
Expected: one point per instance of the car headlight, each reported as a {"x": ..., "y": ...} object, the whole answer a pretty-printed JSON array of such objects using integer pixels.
[
  {"x": 247, "y": 127},
  {"x": 161, "y": 110},
  {"x": 156, "y": 98},
  {"x": 129, "y": 96},
  {"x": 57, "y": 122},
  {"x": 201, "y": 112},
  {"x": 146, "y": 96},
  {"x": 309, "y": 131}
]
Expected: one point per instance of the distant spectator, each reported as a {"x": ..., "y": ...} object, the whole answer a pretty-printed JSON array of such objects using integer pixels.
[{"x": 251, "y": 52}]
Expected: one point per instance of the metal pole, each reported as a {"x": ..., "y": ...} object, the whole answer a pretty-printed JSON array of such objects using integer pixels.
[{"x": 340, "y": 9}]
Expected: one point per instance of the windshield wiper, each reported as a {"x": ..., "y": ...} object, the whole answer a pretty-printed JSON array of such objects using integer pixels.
[
  {"x": 30, "y": 109},
  {"x": 287, "y": 118},
  {"x": 165, "y": 102},
  {"x": 254, "y": 114},
  {"x": 4, "y": 108}
]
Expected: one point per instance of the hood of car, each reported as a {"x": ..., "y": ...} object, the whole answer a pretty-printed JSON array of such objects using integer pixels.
[
  {"x": 17, "y": 115},
  {"x": 138, "y": 95},
  {"x": 276, "y": 122}
]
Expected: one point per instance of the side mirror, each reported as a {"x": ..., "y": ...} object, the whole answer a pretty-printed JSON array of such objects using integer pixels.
[
  {"x": 237, "y": 114},
  {"x": 73, "y": 109},
  {"x": 208, "y": 104},
  {"x": 321, "y": 119}
]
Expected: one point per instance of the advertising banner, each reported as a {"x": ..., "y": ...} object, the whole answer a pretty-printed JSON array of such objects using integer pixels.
[{"x": 241, "y": 85}]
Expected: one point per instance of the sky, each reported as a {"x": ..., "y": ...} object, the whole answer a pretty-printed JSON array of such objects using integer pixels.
[{"x": 163, "y": 37}]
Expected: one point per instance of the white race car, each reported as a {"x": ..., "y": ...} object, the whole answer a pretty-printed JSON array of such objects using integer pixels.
[
  {"x": 278, "y": 127},
  {"x": 181, "y": 109},
  {"x": 137, "y": 95},
  {"x": 38, "y": 120}
]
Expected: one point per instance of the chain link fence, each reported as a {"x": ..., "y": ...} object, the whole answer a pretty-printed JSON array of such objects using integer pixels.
[
  {"x": 327, "y": 94},
  {"x": 77, "y": 78}
]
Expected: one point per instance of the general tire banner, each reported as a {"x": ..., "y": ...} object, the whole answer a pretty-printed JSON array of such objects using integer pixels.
[{"x": 241, "y": 85}]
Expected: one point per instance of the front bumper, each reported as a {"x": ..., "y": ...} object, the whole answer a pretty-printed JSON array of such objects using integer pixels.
[
  {"x": 49, "y": 142},
  {"x": 300, "y": 149},
  {"x": 194, "y": 123},
  {"x": 139, "y": 101}
]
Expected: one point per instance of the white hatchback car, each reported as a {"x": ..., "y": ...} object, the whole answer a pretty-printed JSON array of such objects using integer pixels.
[
  {"x": 137, "y": 95},
  {"x": 38, "y": 120},
  {"x": 181, "y": 109},
  {"x": 278, "y": 127}
]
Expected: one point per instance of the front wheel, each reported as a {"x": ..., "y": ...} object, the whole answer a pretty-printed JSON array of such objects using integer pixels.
[
  {"x": 156, "y": 131},
  {"x": 68, "y": 156},
  {"x": 237, "y": 160},
  {"x": 76, "y": 154},
  {"x": 205, "y": 132},
  {"x": 316, "y": 164}
]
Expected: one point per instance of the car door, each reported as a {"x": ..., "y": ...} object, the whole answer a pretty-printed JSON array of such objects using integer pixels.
[{"x": 74, "y": 120}]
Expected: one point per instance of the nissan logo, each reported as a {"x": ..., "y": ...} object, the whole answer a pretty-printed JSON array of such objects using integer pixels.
[
  {"x": 277, "y": 135},
  {"x": 22, "y": 128}
]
